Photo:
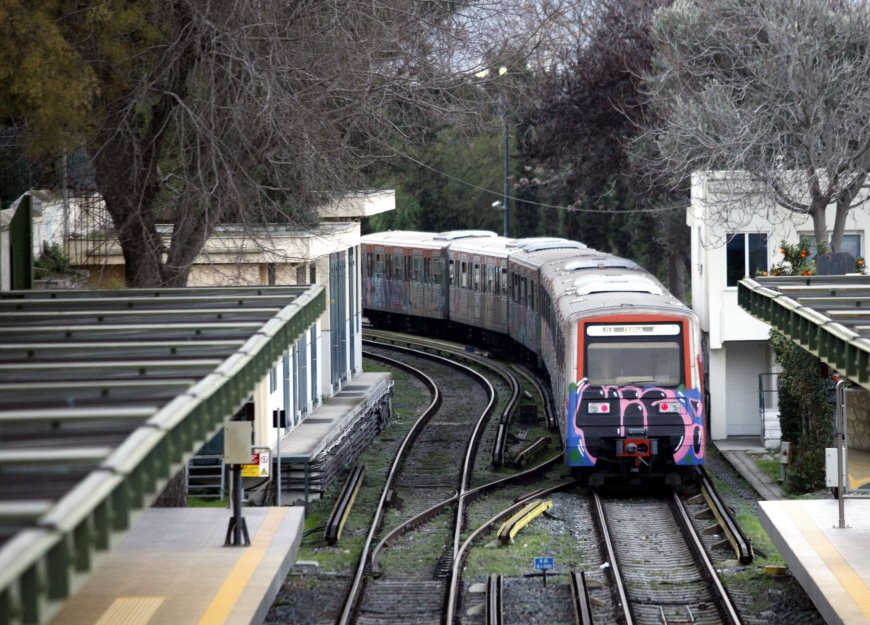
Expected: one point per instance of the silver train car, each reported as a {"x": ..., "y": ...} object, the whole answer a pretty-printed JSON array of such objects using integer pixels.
[{"x": 621, "y": 353}]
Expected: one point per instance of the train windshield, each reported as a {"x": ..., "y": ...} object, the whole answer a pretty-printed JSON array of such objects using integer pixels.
[{"x": 634, "y": 362}]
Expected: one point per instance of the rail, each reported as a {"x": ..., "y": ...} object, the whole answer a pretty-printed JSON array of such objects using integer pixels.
[
  {"x": 493, "y": 613},
  {"x": 580, "y": 598},
  {"x": 694, "y": 541},
  {"x": 356, "y": 585},
  {"x": 531, "y": 450},
  {"x": 615, "y": 573},
  {"x": 343, "y": 505},
  {"x": 740, "y": 543}
]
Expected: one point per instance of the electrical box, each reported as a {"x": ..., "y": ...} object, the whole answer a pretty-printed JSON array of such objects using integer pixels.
[
  {"x": 237, "y": 442},
  {"x": 831, "y": 468},
  {"x": 785, "y": 453}
]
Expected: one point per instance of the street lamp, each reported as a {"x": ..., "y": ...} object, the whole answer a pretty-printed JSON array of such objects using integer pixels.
[{"x": 506, "y": 147}]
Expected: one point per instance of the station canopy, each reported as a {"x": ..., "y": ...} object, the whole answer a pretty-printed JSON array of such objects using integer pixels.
[
  {"x": 829, "y": 316},
  {"x": 103, "y": 396}
]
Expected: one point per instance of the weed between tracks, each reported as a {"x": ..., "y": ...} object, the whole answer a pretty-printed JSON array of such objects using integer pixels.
[{"x": 377, "y": 458}]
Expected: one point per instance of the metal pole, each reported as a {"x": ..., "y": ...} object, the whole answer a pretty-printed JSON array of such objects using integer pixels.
[
  {"x": 841, "y": 442},
  {"x": 237, "y": 504},
  {"x": 278, "y": 463},
  {"x": 506, "y": 165}
]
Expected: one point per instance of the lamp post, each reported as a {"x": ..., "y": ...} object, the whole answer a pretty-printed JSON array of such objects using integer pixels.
[
  {"x": 506, "y": 163},
  {"x": 502, "y": 105}
]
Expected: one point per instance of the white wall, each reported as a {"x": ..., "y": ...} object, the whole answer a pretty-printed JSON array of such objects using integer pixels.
[{"x": 737, "y": 342}]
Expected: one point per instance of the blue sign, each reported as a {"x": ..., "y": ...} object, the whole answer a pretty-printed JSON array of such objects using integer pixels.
[{"x": 544, "y": 564}]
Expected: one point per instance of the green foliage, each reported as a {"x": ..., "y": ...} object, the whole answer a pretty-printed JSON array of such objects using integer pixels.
[
  {"x": 52, "y": 260},
  {"x": 804, "y": 414}
]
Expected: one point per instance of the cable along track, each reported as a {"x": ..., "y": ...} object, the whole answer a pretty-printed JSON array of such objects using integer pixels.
[{"x": 666, "y": 575}]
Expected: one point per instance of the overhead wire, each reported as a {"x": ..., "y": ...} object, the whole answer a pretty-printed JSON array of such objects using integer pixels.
[{"x": 499, "y": 194}]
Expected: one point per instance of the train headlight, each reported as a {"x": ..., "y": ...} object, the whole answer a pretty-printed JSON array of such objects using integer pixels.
[
  {"x": 669, "y": 406},
  {"x": 598, "y": 407}
]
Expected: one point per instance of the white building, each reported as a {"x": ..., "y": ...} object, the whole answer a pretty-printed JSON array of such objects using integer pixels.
[
  {"x": 319, "y": 364},
  {"x": 736, "y": 233}
]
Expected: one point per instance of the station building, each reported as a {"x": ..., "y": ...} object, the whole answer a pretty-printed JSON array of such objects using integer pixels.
[{"x": 736, "y": 232}]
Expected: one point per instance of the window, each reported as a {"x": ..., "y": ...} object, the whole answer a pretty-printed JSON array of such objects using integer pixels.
[
  {"x": 476, "y": 277},
  {"x": 746, "y": 254},
  {"x": 463, "y": 274},
  {"x": 851, "y": 243},
  {"x": 633, "y": 362}
]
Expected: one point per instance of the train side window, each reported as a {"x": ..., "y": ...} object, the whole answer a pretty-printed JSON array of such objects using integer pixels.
[
  {"x": 463, "y": 275},
  {"x": 504, "y": 281},
  {"x": 532, "y": 295},
  {"x": 451, "y": 276},
  {"x": 427, "y": 270},
  {"x": 398, "y": 269},
  {"x": 418, "y": 269},
  {"x": 437, "y": 270},
  {"x": 389, "y": 268},
  {"x": 476, "y": 277},
  {"x": 409, "y": 269}
]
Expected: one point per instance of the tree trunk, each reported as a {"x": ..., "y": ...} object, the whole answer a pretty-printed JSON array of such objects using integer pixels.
[
  {"x": 130, "y": 202},
  {"x": 820, "y": 226}
]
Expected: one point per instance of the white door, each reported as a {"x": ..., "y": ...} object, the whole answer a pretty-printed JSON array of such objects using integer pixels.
[{"x": 745, "y": 360}]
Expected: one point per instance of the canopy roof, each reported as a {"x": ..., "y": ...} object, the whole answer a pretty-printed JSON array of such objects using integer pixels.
[
  {"x": 103, "y": 396},
  {"x": 828, "y": 316}
]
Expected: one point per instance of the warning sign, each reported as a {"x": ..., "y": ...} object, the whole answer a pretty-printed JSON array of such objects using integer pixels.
[{"x": 260, "y": 465}]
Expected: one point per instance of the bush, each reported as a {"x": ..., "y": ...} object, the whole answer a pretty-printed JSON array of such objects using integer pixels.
[{"x": 51, "y": 261}]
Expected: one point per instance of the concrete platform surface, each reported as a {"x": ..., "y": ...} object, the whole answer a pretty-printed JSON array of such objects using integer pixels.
[
  {"x": 832, "y": 564},
  {"x": 171, "y": 568}
]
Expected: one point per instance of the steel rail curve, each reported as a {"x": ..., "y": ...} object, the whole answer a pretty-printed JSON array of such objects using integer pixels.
[
  {"x": 615, "y": 573},
  {"x": 356, "y": 586}
]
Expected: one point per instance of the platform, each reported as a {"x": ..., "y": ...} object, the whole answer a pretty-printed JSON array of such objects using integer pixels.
[
  {"x": 832, "y": 564},
  {"x": 172, "y": 568},
  {"x": 339, "y": 413}
]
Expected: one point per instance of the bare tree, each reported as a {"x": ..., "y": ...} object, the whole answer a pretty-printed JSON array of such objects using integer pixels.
[
  {"x": 776, "y": 90},
  {"x": 199, "y": 113}
]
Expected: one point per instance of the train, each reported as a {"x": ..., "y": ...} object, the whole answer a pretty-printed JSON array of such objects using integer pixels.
[{"x": 622, "y": 354}]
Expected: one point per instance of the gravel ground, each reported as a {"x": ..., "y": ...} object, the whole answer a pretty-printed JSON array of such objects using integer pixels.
[{"x": 312, "y": 597}]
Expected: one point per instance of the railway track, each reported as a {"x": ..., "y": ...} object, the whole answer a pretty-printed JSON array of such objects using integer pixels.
[
  {"x": 409, "y": 569},
  {"x": 406, "y": 576},
  {"x": 660, "y": 575},
  {"x": 411, "y": 566}
]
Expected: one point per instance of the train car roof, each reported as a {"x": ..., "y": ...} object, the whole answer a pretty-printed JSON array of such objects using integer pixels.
[
  {"x": 406, "y": 238},
  {"x": 453, "y": 235},
  {"x": 592, "y": 260},
  {"x": 613, "y": 291},
  {"x": 535, "y": 257},
  {"x": 538, "y": 244},
  {"x": 489, "y": 246}
]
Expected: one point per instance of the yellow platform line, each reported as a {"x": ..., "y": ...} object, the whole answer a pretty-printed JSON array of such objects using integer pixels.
[
  {"x": 845, "y": 574},
  {"x": 219, "y": 610}
]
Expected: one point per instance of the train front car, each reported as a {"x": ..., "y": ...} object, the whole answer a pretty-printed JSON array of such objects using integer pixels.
[{"x": 635, "y": 411}]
